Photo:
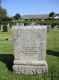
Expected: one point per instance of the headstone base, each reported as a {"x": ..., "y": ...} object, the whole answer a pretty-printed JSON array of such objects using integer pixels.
[{"x": 38, "y": 67}]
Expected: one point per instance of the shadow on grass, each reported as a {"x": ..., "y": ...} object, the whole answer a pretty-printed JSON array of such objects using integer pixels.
[
  {"x": 8, "y": 60},
  {"x": 54, "y": 53}
]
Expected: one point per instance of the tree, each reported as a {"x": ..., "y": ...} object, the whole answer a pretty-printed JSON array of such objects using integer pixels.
[
  {"x": 6, "y": 19},
  {"x": 51, "y": 15},
  {"x": 0, "y": 3},
  {"x": 3, "y": 12},
  {"x": 17, "y": 16},
  {"x": 3, "y": 19}
]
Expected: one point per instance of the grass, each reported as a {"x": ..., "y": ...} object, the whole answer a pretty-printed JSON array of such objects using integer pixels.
[
  {"x": 5, "y": 42},
  {"x": 6, "y": 58}
]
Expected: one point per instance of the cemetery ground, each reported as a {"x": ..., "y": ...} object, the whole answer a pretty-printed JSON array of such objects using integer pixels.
[{"x": 6, "y": 58}]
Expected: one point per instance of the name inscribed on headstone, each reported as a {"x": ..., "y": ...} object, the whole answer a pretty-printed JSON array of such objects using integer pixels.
[{"x": 29, "y": 43}]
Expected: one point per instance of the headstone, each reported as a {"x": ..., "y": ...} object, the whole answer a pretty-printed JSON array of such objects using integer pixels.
[
  {"x": 58, "y": 25},
  {"x": 8, "y": 25},
  {"x": 21, "y": 24},
  {"x": 2, "y": 27},
  {"x": 17, "y": 24},
  {"x": 25, "y": 24},
  {"x": 48, "y": 28},
  {"x": 32, "y": 24},
  {"x": 5, "y": 28},
  {"x": 52, "y": 25},
  {"x": 30, "y": 49}
]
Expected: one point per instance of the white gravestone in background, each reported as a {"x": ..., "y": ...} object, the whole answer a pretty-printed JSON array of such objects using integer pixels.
[{"x": 30, "y": 49}]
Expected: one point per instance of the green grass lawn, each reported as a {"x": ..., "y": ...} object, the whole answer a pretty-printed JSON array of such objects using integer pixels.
[
  {"x": 6, "y": 46},
  {"x": 6, "y": 58}
]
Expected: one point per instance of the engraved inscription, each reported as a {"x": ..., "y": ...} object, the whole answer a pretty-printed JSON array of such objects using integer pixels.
[
  {"x": 29, "y": 50},
  {"x": 29, "y": 41},
  {"x": 29, "y": 44}
]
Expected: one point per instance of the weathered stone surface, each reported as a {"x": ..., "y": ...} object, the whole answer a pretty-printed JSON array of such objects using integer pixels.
[
  {"x": 48, "y": 28},
  {"x": 29, "y": 49}
]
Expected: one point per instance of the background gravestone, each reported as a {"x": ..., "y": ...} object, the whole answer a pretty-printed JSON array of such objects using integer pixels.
[
  {"x": 30, "y": 49},
  {"x": 58, "y": 25},
  {"x": 48, "y": 28},
  {"x": 32, "y": 24},
  {"x": 21, "y": 24},
  {"x": 5, "y": 28}
]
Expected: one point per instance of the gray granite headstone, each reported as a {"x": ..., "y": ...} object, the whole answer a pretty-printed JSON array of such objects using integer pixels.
[
  {"x": 21, "y": 24},
  {"x": 17, "y": 24},
  {"x": 32, "y": 24},
  {"x": 56, "y": 26},
  {"x": 48, "y": 28},
  {"x": 30, "y": 49}
]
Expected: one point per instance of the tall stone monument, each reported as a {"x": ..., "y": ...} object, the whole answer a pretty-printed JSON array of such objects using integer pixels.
[{"x": 30, "y": 49}]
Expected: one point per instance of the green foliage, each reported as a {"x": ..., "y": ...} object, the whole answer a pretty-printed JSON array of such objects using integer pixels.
[
  {"x": 17, "y": 16},
  {"x": 3, "y": 16},
  {"x": 51, "y": 15},
  {"x": 3, "y": 12},
  {"x": 6, "y": 19}
]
